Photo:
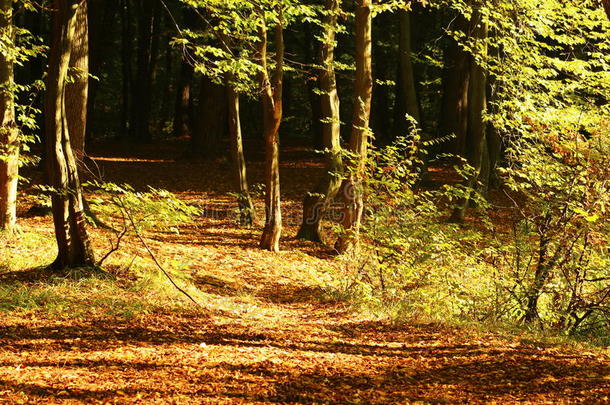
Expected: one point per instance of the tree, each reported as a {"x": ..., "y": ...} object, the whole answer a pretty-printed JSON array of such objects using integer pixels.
[
  {"x": 77, "y": 90},
  {"x": 453, "y": 119},
  {"x": 211, "y": 122},
  {"x": 74, "y": 249},
  {"x": 182, "y": 113},
  {"x": 477, "y": 152},
  {"x": 317, "y": 201},
  {"x": 126, "y": 71},
  {"x": 244, "y": 201},
  {"x": 406, "y": 78},
  {"x": 271, "y": 94},
  {"x": 358, "y": 144},
  {"x": 149, "y": 24},
  {"x": 9, "y": 142}
]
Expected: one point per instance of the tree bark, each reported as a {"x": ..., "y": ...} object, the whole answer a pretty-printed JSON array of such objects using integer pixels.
[
  {"x": 407, "y": 101},
  {"x": 381, "y": 111},
  {"x": 74, "y": 249},
  {"x": 271, "y": 89},
  {"x": 477, "y": 153},
  {"x": 126, "y": 79},
  {"x": 9, "y": 144},
  {"x": 454, "y": 105},
  {"x": 319, "y": 199},
  {"x": 101, "y": 13},
  {"x": 358, "y": 145},
  {"x": 182, "y": 114},
  {"x": 77, "y": 90},
  {"x": 212, "y": 120},
  {"x": 244, "y": 201},
  {"x": 310, "y": 53},
  {"x": 148, "y": 50}
]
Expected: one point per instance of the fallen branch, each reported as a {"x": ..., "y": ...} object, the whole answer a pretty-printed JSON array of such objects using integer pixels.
[{"x": 152, "y": 255}]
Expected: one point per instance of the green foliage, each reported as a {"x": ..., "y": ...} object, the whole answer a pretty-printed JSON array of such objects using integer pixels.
[
  {"x": 559, "y": 184},
  {"x": 140, "y": 211},
  {"x": 410, "y": 261}
]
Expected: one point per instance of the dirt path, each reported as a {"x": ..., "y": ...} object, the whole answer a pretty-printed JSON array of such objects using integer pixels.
[{"x": 268, "y": 335}]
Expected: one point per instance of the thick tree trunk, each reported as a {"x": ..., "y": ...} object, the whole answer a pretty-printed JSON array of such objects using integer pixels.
[
  {"x": 212, "y": 121},
  {"x": 407, "y": 101},
  {"x": 454, "y": 105},
  {"x": 318, "y": 200},
  {"x": 477, "y": 153},
  {"x": 9, "y": 145},
  {"x": 381, "y": 111},
  {"x": 77, "y": 90},
  {"x": 244, "y": 201},
  {"x": 271, "y": 89},
  {"x": 74, "y": 249},
  {"x": 352, "y": 186}
]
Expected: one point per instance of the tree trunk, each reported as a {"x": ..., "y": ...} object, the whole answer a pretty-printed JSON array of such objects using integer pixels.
[
  {"x": 381, "y": 111},
  {"x": 212, "y": 120},
  {"x": 9, "y": 144},
  {"x": 476, "y": 140},
  {"x": 74, "y": 249},
  {"x": 352, "y": 186},
  {"x": 540, "y": 277},
  {"x": 319, "y": 199},
  {"x": 182, "y": 114},
  {"x": 454, "y": 105},
  {"x": 315, "y": 127},
  {"x": 148, "y": 49},
  {"x": 101, "y": 13},
  {"x": 244, "y": 201},
  {"x": 271, "y": 89},
  {"x": 126, "y": 57},
  {"x": 77, "y": 89},
  {"x": 407, "y": 101},
  {"x": 606, "y": 4}
]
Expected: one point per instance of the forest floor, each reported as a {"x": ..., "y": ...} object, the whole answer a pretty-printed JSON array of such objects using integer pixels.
[{"x": 267, "y": 332}]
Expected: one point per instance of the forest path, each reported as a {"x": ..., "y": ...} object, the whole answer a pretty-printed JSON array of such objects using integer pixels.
[{"x": 269, "y": 334}]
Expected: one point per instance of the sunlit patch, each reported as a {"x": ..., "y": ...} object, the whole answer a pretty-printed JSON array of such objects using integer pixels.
[{"x": 130, "y": 160}]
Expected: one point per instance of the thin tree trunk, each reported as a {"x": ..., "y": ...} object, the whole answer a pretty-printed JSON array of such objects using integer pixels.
[
  {"x": 244, "y": 201},
  {"x": 606, "y": 4},
  {"x": 271, "y": 88},
  {"x": 148, "y": 49},
  {"x": 318, "y": 200},
  {"x": 540, "y": 278},
  {"x": 101, "y": 13},
  {"x": 315, "y": 127},
  {"x": 126, "y": 57},
  {"x": 9, "y": 144},
  {"x": 74, "y": 249},
  {"x": 77, "y": 90},
  {"x": 183, "y": 100},
  {"x": 358, "y": 145}
]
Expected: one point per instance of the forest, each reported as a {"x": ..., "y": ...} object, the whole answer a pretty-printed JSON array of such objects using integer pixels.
[{"x": 305, "y": 201}]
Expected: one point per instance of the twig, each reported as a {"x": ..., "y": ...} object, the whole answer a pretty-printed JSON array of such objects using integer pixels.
[{"x": 154, "y": 258}]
